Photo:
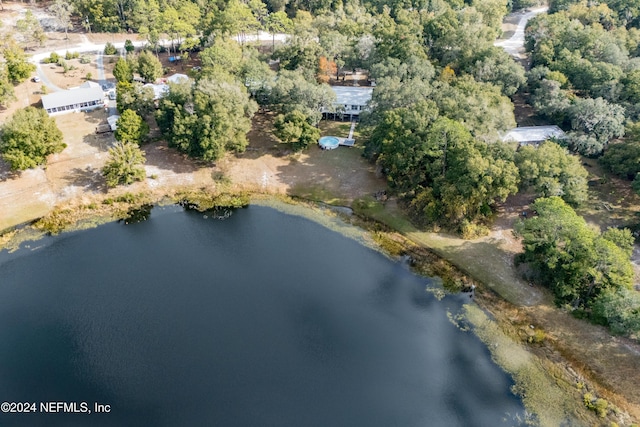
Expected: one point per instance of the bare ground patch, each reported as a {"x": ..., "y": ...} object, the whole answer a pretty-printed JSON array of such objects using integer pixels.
[
  {"x": 74, "y": 77},
  {"x": 73, "y": 173},
  {"x": 337, "y": 176}
]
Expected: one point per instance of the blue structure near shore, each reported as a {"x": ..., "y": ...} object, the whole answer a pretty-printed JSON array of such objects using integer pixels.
[{"x": 328, "y": 142}]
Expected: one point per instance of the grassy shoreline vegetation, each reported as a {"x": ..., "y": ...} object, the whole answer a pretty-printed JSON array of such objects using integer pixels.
[{"x": 553, "y": 391}]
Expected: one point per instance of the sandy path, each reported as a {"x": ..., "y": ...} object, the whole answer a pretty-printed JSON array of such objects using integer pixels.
[{"x": 514, "y": 46}]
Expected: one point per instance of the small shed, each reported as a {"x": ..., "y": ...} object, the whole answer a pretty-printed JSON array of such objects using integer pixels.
[
  {"x": 533, "y": 135},
  {"x": 113, "y": 122},
  {"x": 177, "y": 78}
]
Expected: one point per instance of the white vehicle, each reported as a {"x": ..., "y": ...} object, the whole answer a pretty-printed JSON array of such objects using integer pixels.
[{"x": 35, "y": 79}]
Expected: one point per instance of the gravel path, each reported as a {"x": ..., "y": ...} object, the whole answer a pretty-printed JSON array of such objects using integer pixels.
[{"x": 514, "y": 46}]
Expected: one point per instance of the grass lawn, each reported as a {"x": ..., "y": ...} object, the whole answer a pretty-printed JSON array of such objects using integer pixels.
[
  {"x": 340, "y": 129},
  {"x": 483, "y": 258}
]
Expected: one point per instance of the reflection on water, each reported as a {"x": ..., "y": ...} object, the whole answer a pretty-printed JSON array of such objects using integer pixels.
[{"x": 263, "y": 319}]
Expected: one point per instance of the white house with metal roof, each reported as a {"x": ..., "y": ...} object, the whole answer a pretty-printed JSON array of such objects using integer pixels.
[
  {"x": 533, "y": 135},
  {"x": 350, "y": 102},
  {"x": 85, "y": 98}
]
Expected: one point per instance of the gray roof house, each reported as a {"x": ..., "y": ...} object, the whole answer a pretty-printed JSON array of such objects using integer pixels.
[
  {"x": 73, "y": 100},
  {"x": 350, "y": 101},
  {"x": 533, "y": 135}
]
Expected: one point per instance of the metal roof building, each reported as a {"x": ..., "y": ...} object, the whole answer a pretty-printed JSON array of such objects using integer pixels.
[
  {"x": 113, "y": 121},
  {"x": 531, "y": 135},
  {"x": 159, "y": 90},
  {"x": 350, "y": 101},
  {"x": 177, "y": 78},
  {"x": 73, "y": 100}
]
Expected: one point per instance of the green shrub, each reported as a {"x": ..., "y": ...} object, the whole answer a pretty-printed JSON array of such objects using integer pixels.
[
  {"x": 126, "y": 198},
  {"x": 537, "y": 337},
  {"x": 55, "y": 222},
  {"x": 52, "y": 59},
  {"x": 71, "y": 55},
  {"x": 618, "y": 309},
  {"x": 110, "y": 49},
  {"x": 470, "y": 230},
  {"x": 601, "y": 407},
  {"x": 84, "y": 59},
  {"x": 588, "y": 400},
  {"x": 128, "y": 46}
]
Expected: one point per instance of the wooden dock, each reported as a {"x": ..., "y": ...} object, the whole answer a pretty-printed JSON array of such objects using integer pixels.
[{"x": 346, "y": 142}]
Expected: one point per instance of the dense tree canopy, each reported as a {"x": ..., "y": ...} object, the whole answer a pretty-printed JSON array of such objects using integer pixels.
[
  {"x": 149, "y": 67},
  {"x": 623, "y": 159},
  {"x": 495, "y": 66},
  {"x": 18, "y": 67},
  {"x": 207, "y": 119},
  {"x": 292, "y": 91},
  {"x": 135, "y": 96},
  {"x": 294, "y": 128},
  {"x": 433, "y": 161},
  {"x": 122, "y": 71},
  {"x": 6, "y": 88},
  {"x": 131, "y": 128},
  {"x": 125, "y": 164},
  {"x": 551, "y": 171},
  {"x": 595, "y": 122},
  {"x": 574, "y": 260},
  {"x": 619, "y": 309},
  {"x": 29, "y": 137}
]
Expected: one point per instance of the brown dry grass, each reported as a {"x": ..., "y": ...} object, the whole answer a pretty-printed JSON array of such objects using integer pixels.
[
  {"x": 72, "y": 173},
  {"x": 337, "y": 176},
  {"x": 73, "y": 77},
  {"x": 612, "y": 201}
]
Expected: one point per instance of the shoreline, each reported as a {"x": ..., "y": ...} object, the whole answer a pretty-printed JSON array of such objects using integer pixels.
[{"x": 542, "y": 365}]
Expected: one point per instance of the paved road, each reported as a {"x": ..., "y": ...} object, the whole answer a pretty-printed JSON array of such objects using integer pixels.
[
  {"x": 515, "y": 45},
  {"x": 100, "y": 66},
  {"x": 43, "y": 77}
]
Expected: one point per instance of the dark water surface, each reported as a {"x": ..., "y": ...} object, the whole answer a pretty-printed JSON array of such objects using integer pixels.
[{"x": 263, "y": 319}]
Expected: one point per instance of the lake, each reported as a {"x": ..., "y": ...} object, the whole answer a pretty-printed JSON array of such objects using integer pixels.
[{"x": 260, "y": 319}]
